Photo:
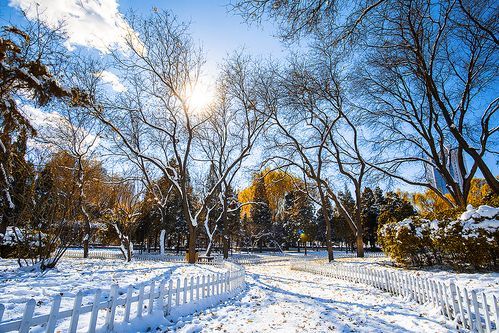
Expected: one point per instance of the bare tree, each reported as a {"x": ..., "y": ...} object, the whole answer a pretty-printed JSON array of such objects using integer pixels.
[
  {"x": 317, "y": 134},
  {"x": 77, "y": 133},
  {"x": 155, "y": 120},
  {"x": 431, "y": 65},
  {"x": 430, "y": 77},
  {"x": 232, "y": 129}
]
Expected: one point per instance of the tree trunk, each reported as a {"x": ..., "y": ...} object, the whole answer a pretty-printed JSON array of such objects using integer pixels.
[
  {"x": 225, "y": 229},
  {"x": 162, "y": 242},
  {"x": 129, "y": 250},
  {"x": 178, "y": 243},
  {"x": 192, "y": 244},
  {"x": 226, "y": 246},
  {"x": 86, "y": 239},
  {"x": 325, "y": 213},
  {"x": 360, "y": 243}
]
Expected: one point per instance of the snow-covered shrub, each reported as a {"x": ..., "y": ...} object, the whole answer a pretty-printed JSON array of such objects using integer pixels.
[
  {"x": 408, "y": 242},
  {"x": 21, "y": 243},
  {"x": 472, "y": 240}
]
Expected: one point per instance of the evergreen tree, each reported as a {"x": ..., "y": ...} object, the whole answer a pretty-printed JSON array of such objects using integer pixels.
[
  {"x": 341, "y": 230},
  {"x": 370, "y": 212},
  {"x": 320, "y": 225},
  {"x": 261, "y": 215},
  {"x": 395, "y": 208},
  {"x": 23, "y": 77}
]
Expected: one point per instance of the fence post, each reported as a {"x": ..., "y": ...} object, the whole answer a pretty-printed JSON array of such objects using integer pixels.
[
  {"x": 488, "y": 326},
  {"x": 203, "y": 287},
  {"x": 54, "y": 311},
  {"x": 28, "y": 314},
  {"x": 185, "y": 291},
  {"x": 452, "y": 287},
  {"x": 461, "y": 308},
  {"x": 169, "y": 301},
  {"x": 477, "y": 311},
  {"x": 217, "y": 285},
  {"x": 496, "y": 308},
  {"x": 95, "y": 311},
  {"x": 197, "y": 287},
  {"x": 140, "y": 303},
  {"x": 76, "y": 312},
  {"x": 191, "y": 290},
  {"x": 128, "y": 304},
  {"x": 177, "y": 293},
  {"x": 111, "y": 311},
  {"x": 468, "y": 308},
  {"x": 161, "y": 300},
  {"x": 151, "y": 297}
]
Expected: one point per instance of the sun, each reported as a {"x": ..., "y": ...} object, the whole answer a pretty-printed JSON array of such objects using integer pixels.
[{"x": 199, "y": 97}]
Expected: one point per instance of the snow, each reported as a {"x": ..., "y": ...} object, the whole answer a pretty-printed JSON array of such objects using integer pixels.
[
  {"x": 275, "y": 299},
  {"x": 481, "y": 212},
  {"x": 17, "y": 285},
  {"x": 280, "y": 300},
  {"x": 487, "y": 282},
  {"x": 15, "y": 235},
  {"x": 474, "y": 223}
]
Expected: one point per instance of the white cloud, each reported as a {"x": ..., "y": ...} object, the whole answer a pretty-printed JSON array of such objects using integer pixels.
[
  {"x": 113, "y": 80},
  {"x": 91, "y": 23},
  {"x": 39, "y": 119},
  {"x": 56, "y": 133}
]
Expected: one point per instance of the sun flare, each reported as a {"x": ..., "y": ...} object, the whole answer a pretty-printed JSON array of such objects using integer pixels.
[{"x": 199, "y": 97}]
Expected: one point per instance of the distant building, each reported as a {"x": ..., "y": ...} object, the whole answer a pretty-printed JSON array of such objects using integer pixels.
[{"x": 438, "y": 180}]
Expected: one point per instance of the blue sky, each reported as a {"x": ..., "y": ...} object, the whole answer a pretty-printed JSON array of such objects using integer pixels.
[
  {"x": 95, "y": 24},
  {"x": 212, "y": 25},
  {"x": 219, "y": 31}
]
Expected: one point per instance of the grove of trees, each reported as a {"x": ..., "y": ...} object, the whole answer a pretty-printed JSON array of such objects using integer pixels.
[{"x": 386, "y": 93}]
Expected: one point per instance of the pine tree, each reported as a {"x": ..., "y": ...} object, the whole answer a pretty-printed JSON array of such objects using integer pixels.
[
  {"x": 261, "y": 215},
  {"x": 370, "y": 212},
  {"x": 21, "y": 76},
  {"x": 341, "y": 230},
  {"x": 395, "y": 208}
]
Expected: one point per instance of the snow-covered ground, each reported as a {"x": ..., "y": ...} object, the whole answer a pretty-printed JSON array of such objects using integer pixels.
[
  {"x": 486, "y": 281},
  {"x": 276, "y": 298},
  {"x": 17, "y": 285},
  {"x": 280, "y": 300}
]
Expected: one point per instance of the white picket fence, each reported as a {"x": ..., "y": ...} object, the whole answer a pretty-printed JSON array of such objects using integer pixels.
[
  {"x": 468, "y": 309},
  {"x": 139, "y": 301},
  {"x": 105, "y": 254},
  {"x": 249, "y": 259},
  {"x": 342, "y": 254},
  {"x": 94, "y": 254}
]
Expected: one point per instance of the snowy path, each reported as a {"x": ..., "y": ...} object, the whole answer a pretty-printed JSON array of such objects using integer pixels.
[{"x": 280, "y": 300}]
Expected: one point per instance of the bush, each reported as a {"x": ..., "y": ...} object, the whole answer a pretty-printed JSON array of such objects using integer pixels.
[
  {"x": 408, "y": 242},
  {"x": 471, "y": 241},
  {"x": 24, "y": 244}
]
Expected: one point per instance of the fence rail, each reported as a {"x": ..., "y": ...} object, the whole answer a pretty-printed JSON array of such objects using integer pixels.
[
  {"x": 156, "y": 297},
  {"x": 468, "y": 309},
  {"x": 103, "y": 254},
  {"x": 94, "y": 254}
]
